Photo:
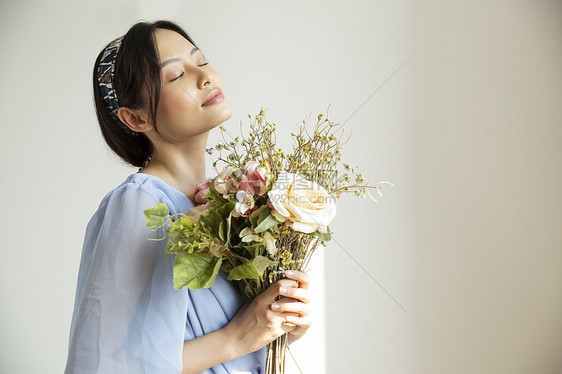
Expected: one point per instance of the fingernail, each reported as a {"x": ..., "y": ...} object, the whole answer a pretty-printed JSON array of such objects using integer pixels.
[
  {"x": 289, "y": 273},
  {"x": 274, "y": 306},
  {"x": 282, "y": 289}
]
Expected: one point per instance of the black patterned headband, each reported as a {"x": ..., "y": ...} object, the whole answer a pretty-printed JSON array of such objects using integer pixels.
[{"x": 106, "y": 79}]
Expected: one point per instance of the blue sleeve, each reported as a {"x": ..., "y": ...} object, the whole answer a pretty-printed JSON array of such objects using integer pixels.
[{"x": 127, "y": 317}]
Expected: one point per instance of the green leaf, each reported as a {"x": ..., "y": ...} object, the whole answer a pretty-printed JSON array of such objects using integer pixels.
[
  {"x": 251, "y": 269},
  {"x": 211, "y": 221},
  {"x": 261, "y": 263},
  {"x": 156, "y": 215},
  {"x": 245, "y": 271},
  {"x": 267, "y": 223},
  {"x": 254, "y": 249},
  {"x": 325, "y": 237},
  {"x": 264, "y": 213},
  {"x": 255, "y": 216},
  {"x": 226, "y": 210},
  {"x": 196, "y": 270},
  {"x": 180, "y": 235},
  {"x": 240, "y": 256},
  {"x": 252, "y": 289}
]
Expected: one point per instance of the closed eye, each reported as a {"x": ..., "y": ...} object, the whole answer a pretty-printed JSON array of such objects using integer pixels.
[
  {"x": 181, "y": 75},
  {"x": 176, "y": 78}
]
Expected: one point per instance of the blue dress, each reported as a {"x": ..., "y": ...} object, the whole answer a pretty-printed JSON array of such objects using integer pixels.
[{"x": 127, "y": 316}]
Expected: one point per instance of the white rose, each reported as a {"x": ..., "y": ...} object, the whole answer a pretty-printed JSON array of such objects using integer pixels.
[{"x": 306, "y": 206}]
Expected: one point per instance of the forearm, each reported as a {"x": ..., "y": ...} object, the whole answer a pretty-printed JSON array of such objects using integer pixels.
[{"x": 209, "y": 350}]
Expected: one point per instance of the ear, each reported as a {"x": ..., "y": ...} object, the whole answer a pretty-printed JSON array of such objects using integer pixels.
[{"x": 136, "y": 120}]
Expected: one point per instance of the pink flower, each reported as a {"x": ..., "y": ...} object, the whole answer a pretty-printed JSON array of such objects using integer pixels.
[
  {"x": 254, "y": 179},
  {"x": 223, "y": 186},
  {"x": 201, "y": 190}
]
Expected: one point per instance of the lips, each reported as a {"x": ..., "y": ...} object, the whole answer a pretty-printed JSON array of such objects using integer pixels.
[{"x": 214, "y": 93}]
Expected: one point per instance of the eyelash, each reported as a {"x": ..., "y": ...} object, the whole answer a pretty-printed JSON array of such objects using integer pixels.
[{"x": 181, "y": 75}]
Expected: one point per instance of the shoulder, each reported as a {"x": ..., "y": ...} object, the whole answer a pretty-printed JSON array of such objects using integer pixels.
[
  {"x": 129, "y": 200},
  {"x": 142, "y": 189}
]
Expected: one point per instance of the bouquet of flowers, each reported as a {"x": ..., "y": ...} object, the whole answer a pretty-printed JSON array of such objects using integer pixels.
[{"x": 266, "y": 212}]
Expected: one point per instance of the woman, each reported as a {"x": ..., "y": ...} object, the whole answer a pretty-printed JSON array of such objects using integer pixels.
[{"x": 156, "y": 99}]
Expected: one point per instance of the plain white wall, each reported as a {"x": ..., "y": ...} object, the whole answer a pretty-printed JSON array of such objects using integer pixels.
[
  {"x": 468, "y": 242},
  {"x": 487, "y": 96}
]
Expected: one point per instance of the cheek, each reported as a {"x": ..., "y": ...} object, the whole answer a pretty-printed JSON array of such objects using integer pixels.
[
  {"x": 176, "y": 109},
  {"x": 176, "y": 101}
]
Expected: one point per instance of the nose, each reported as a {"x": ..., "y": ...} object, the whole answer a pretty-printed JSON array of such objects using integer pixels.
[{"x": 206, "y": 77}]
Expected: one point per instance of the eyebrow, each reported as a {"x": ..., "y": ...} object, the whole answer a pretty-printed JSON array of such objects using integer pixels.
[{"x": 177, "y": 59}]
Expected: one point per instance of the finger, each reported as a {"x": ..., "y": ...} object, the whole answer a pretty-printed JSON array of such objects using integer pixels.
[
  {"x": 269, "y": 295},
  {"x": 276, "y": 289},
  {"x": 287, "y": 314},
  {"x": 276, "y": 322},
  {"x": 301, "y": 294},
  {"x": 287, "y": 326},
  {"x": 302, "y": 309},
  {"x": 286, "y": 282},
  {"x": 299, "y": 321},
  {"x": 299, "y": 276}
]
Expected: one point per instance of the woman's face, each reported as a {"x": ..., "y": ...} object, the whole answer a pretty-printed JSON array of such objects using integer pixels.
[{"x": 187, "y": 81}]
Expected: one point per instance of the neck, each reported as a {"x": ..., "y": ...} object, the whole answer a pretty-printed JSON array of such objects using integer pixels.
[{"x": 182, "y": 166}]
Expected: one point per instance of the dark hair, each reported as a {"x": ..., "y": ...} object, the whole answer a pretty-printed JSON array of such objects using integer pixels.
[{"x": 137, "y": 65}]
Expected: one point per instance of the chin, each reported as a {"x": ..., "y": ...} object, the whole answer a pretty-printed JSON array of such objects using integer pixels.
[{"x": 224, "y": 113}]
